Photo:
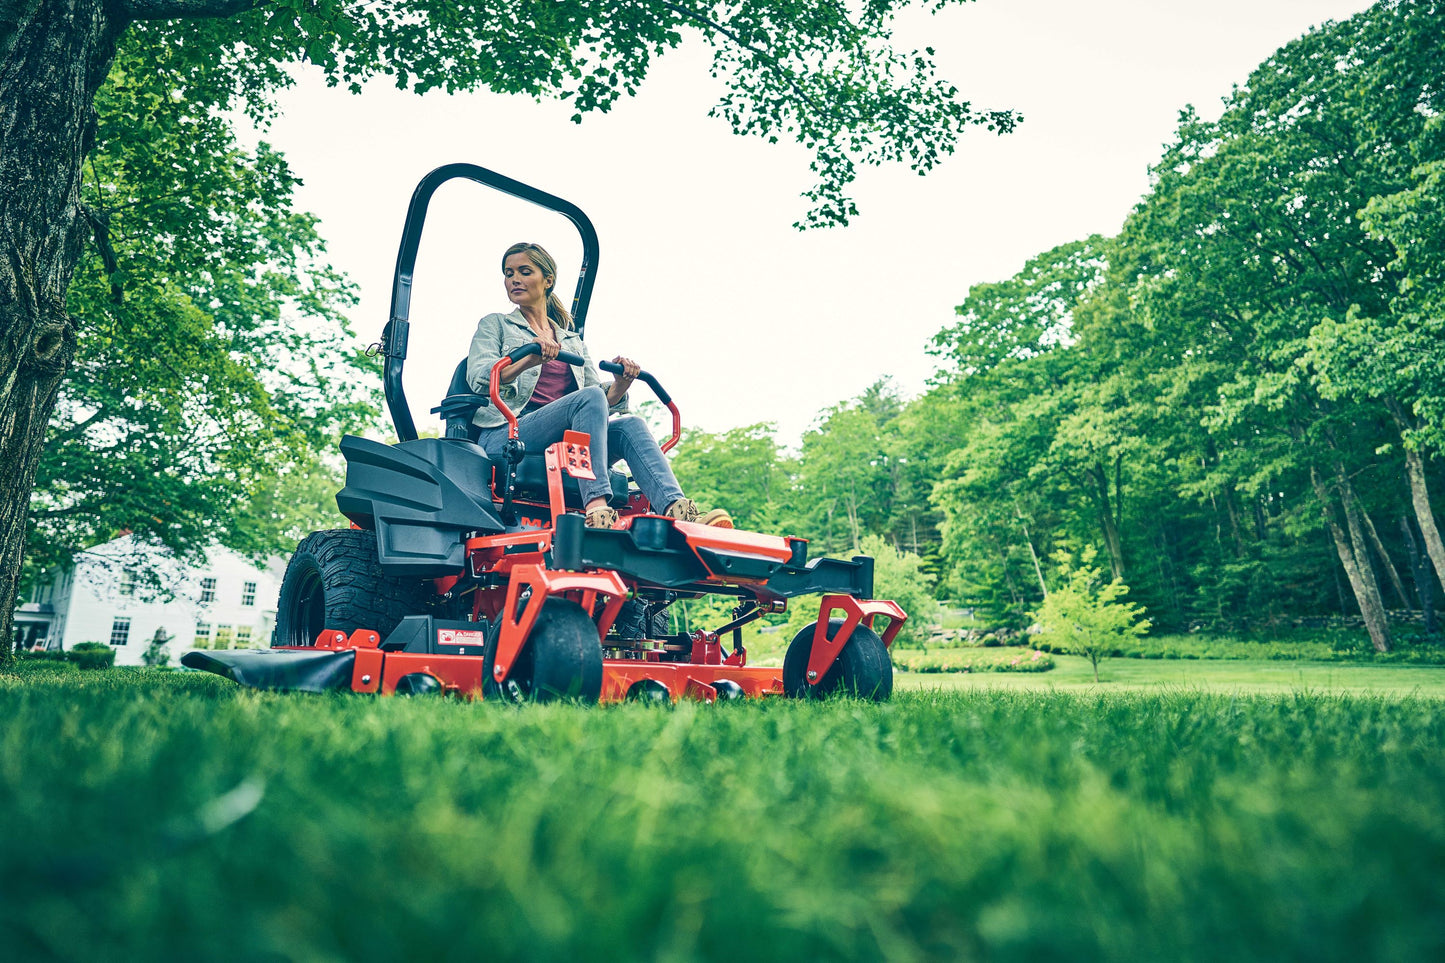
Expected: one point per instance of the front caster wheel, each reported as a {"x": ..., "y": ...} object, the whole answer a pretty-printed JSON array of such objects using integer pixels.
[
  {"x": 862, "y": 668},
  {"x": 561, "y": 659}
]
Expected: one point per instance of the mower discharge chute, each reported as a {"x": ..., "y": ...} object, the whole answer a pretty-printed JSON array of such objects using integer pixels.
[{"x": 468, "y": 576}]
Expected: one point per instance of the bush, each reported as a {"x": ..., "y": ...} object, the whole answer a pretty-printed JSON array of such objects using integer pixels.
[
  {"x": 45, "y": 655},
  {"x": 92, "y": 655},
  {"x": 157, "y": 654}
]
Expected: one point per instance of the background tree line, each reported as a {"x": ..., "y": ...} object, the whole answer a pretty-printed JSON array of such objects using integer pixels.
[{"x": 1237, "y": 400}]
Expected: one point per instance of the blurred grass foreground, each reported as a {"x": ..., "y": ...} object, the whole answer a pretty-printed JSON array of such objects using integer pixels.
[{"x": 158, "y": 815}]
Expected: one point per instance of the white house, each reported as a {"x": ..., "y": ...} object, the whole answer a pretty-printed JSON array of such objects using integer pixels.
[{"x": 123, "y": 592}]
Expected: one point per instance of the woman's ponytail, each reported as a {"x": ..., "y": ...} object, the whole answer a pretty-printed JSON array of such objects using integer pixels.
[{"x": 557, "y": 313}]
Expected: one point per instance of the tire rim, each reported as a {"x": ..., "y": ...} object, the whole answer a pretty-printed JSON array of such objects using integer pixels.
[{"x": 308, "y": 610}]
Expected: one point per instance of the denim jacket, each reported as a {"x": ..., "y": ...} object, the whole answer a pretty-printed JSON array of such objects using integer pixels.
[{"x": 499, "y": 333}]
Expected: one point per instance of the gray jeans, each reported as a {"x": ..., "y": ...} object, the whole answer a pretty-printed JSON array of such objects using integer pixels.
[{"x": 622, "y": 439}]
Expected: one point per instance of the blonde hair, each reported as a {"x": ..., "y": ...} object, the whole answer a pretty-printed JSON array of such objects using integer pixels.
[{"x": 545, "y": 263}]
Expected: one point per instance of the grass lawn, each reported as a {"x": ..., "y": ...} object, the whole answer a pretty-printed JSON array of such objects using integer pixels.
[
  {"x": 1247, "y": 677},
  {"x": 173, "y": 816}
]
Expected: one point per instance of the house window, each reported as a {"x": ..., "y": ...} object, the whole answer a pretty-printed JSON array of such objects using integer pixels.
[
  {"x": 119, "y": 632},
  {"x": 248, "y": 593},
  {"x": 243, "y": 636},
  {"x": 203, "y": 635},
  {"x": 208, "y": 590},
  {"x": 127, "y": 582},
  {"x": 223, "y": 637}
]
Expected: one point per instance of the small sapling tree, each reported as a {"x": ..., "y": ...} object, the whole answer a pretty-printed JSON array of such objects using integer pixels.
[{"x": 1087, "y": 615}]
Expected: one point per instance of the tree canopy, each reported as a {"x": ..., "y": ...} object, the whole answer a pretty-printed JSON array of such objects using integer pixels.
[{"x": 227, "y": 258}]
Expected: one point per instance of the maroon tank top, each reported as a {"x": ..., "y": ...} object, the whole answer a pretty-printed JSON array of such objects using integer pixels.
[{"x": 555, "y": 381}]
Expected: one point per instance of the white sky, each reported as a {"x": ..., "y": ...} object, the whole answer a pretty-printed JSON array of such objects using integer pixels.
[{"x": 700, "y": 276}]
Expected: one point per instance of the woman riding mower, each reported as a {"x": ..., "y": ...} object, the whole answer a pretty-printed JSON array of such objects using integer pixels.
[{"x": 553, "y": 397}]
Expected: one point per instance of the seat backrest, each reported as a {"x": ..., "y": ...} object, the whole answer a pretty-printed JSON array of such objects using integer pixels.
[{"x": 460, "y": 406}]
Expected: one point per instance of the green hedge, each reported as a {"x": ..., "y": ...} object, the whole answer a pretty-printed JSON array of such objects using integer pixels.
[{"x": 85, "y": 655}]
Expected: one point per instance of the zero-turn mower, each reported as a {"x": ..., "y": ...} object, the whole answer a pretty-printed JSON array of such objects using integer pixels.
[{"x": 467, "y": 576}]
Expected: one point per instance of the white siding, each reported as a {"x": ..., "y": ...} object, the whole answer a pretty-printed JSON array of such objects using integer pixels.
[{"x": 86, "y": 611}]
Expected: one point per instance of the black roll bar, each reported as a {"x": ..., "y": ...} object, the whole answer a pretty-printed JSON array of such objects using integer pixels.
[{"x": 394, "y": 336}]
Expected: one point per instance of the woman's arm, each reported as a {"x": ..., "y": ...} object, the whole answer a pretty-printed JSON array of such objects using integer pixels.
[{"x": 487, "y": 348}]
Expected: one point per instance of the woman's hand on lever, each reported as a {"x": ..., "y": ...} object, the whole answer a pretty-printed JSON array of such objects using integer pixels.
[
  {"x": 618, "y": 388},
  {"x": 550, "y": 347}
]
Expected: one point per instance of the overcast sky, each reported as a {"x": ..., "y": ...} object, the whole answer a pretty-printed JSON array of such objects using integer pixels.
[{"x": 701, "y": 277}]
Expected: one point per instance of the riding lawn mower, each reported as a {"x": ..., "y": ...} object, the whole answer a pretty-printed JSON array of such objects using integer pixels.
[{"x": 469, "y": 576}]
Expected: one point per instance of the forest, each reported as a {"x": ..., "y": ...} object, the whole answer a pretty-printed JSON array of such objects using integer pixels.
[
  {"x": 1234, "y": 404},
  {"x": 1236, "y": 401}
]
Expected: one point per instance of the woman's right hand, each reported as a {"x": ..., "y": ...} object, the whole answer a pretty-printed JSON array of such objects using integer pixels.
[{"x": 550, "y": 348}]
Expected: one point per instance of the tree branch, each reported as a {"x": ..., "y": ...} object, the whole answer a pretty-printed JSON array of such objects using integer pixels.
[
  {"x": 179, "y": 9},
  {"x": 777, "y": 65}
]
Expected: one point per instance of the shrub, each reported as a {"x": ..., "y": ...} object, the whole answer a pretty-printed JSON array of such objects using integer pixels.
[
  {"x": 1088, "y": 615},
  {"x": 92, "y": 655},
  {"x": 157, "y": 654},
  {"x": 45, "y": 655}
]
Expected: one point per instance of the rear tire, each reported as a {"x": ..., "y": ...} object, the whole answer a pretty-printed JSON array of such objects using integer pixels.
[
  {"x": 561, "y": 659},
  {"x": 862, "y": 669},
  {"x": 335, "y": 582}
]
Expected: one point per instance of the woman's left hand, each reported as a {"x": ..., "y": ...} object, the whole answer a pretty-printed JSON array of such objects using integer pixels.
[{"x": 630, "y": 370}]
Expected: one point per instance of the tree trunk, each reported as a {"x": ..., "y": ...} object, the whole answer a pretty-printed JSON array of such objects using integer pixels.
[
  {"x": 53, "y": 64},
  {"x": 1107, "y": 522},
  {"x": 1424, "y": 516},
  {"x": 1390, "y": 571},
  {"x": 1420, "y": 574},
  {"x": 1356, "y": 564},
  {"x": 1038, "y": 569}
]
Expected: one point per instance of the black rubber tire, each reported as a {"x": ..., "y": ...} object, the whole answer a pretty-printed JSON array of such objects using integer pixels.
[
  {"x": 862, "y": 669},
  {"x": 335, "y": 582},
  {"x": 561, "y": 659}
]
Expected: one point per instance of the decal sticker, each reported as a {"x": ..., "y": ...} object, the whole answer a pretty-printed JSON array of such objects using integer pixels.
[{"x": 460, "y": 637}]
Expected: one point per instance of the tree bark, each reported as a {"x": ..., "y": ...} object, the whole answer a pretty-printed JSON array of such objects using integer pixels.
[
  {"x": 1356, "y": 564},
  {"x": 53, "y": 63},
  {"x": 1038, "y": 569},
  {"x": 1373, "y": 607},
  {"x": 1424, "y": 515},
  {"x": 1390, "y": 571},
  {"x": 1420, "y": 574},
  {"x": 1099, "y": 474}
]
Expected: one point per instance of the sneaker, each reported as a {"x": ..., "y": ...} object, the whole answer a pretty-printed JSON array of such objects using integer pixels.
[
  {"x": 718, "y": 518},
  {"x": 686, "y": 510},
  {"x": 603, "y": 517},
  {"x": 683, "y": 510}
]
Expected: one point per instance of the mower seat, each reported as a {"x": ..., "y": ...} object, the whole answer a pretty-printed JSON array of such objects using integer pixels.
[
  {"x": 532, "y": 483},
  {"x": 460, "y": 406}
]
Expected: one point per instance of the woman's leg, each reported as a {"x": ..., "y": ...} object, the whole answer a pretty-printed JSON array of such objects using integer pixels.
[
  {"x": 581, "y": 410},
  {"x": 629, "y": 440}
]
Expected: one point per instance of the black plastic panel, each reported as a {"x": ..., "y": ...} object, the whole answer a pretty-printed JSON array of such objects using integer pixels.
[
  {"x": 422, "y": 498},
  {"x": 430, "y": 636}
]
